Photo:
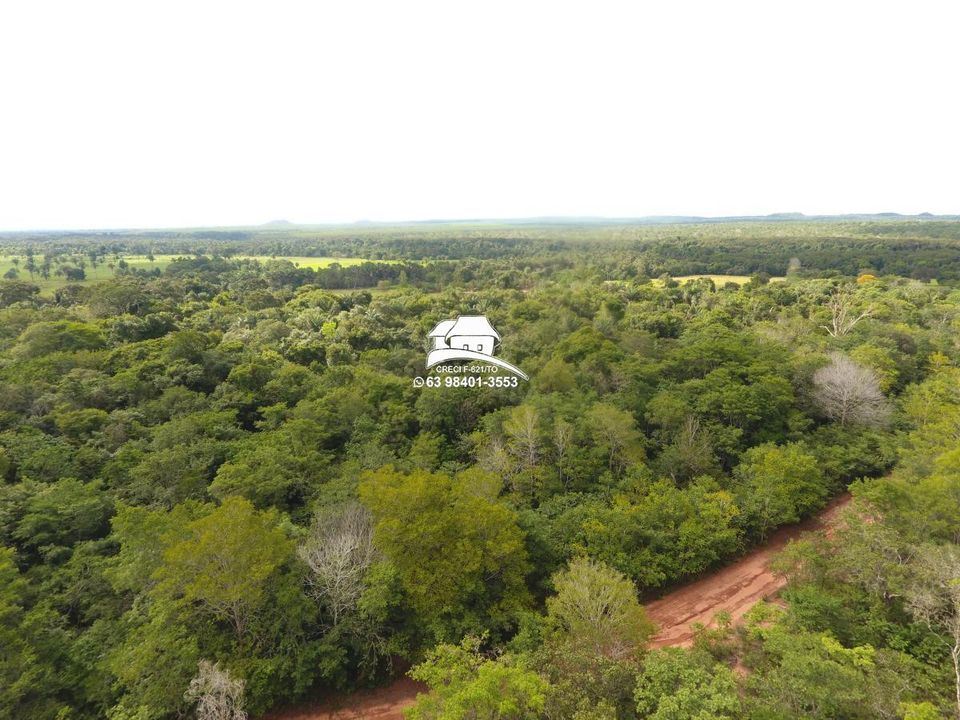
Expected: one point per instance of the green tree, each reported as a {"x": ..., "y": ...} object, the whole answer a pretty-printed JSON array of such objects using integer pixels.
[
  {"x": 812, "y": 675},
  {"x": 677, "y": 684},
  {"x": 466, "y": 686},
  {"x": 20, "y": 669},
  {"x": 596, "y": 608},
  {"x": 63, "y": 514},
  {"x": 615, "y": 431},
  {"x": 43, "y": 338},
  {"x": 777, "y": 484},
  {"x": 14, "y": 291},
  {"x": 280, "y": 468},
  {"x": 934, "y": 599},
  {"x": 459, "y": 551},
  {"x": 224, "y": 562}
]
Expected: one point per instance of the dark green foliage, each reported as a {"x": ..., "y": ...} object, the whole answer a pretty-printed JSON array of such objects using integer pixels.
[{"x": 167, "y": 438}]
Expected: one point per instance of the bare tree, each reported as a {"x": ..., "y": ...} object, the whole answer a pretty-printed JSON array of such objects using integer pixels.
[
  {"x": 562, "y": 437},
  {"x": 339, "y": 551},
  {"x": 218, "y": 696},
  {"x": 691, "y": 452},
  {"x": 843, "y": 316},
  {"x": 935, "y": 600},
  {"x": 849, "y": 393},
  {"x": 522, "y": 428},
  {"x": 492, "y": 456}
]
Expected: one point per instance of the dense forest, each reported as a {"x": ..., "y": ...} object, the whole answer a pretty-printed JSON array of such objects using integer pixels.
[
  {"x": 913, "y": 248},
  {"x": 222, "y": 491}
]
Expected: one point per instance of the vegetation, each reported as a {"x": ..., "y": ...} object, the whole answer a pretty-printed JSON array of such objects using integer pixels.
[
  {"x": 54, "y": 270},
  {"x": 221, "y": 491}
]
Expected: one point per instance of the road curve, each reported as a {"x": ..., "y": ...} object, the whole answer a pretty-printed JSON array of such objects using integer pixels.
[{"x": 735, "y": 588}]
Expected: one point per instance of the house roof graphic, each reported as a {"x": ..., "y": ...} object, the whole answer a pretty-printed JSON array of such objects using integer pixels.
[
  {"x": 473, "y": 335},
  {"x": 442, "y": 327},
  {"x": 471, "y": 325}
]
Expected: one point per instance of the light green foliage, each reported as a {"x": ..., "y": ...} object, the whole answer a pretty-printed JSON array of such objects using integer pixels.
[
  {"x": 677, "y": 684},
  {"x": 80, "y": 424},
  {"x": 920, "y": 711},
  {"x": 224, "y": 562},
  {"x": 467, "y": 686},
  {"x": 614, "y": 431},
  {"x": 216, "y": 403},
  {"x": 143, "y": 535},
  {"x": 881, "y": 361},
  {"x": 328, "y": 330},
  {"x": 458, "y": 550},
  {"x": 777, "y": 484},
  {"x": 588, "y": 643},
  {"x": 43, "y": 338},
  {"x": 596, "y": 608}
]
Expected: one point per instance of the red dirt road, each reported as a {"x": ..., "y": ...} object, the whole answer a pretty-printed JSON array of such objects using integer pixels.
[
  {"x": 735, "y": 588},
  {"x": 384, "y": 703}
]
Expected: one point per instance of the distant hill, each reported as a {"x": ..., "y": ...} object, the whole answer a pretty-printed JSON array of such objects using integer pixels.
[
  {"x": 685, "y": 219},
  {"x": 554, "y": 221}
]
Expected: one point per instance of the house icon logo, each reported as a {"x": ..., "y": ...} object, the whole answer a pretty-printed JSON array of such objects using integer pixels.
[{"x": 469, "y": 337}]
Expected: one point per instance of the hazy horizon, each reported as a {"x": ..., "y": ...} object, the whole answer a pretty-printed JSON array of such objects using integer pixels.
[
  {"x": 280, "y": 224},
  {"x": 121, "y": 115}
]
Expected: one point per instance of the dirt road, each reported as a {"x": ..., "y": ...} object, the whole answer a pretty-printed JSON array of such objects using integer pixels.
[
  {"x": 735, "y": 588},
  {"x": 384, "y": 703}
]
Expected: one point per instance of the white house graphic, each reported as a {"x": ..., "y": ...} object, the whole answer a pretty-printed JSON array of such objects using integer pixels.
[{"x": 469, "y": 337}]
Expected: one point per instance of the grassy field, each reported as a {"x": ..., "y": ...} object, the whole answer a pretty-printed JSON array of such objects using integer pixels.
[
  {"x": 314, "y": 263},
  {"x": 105, "y": 269},
  {"x": 719, "y": 280}
]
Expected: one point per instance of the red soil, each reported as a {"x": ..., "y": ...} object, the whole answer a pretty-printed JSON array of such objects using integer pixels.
[
  {"x": 735, "y": 588},
  {"x": 383, "y": 703}
]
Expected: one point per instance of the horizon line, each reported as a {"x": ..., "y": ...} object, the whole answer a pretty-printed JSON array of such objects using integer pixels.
[{"x": 667, "y": 219}]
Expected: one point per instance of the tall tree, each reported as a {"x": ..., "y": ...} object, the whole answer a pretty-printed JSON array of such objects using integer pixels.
[
  {"x": 596, "y": 608},
  {"x": 224, "y": 562},
  {"x": 339, "y": 551},
  {"x": 467, "y": 686},
  {"x": 459, "y": 551},
  {"x": 849, "y": 393},
  {"x": 934, "y": 599}
]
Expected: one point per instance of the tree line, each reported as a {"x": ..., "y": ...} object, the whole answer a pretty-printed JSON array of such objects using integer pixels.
[{"x": 222, "y": 493}]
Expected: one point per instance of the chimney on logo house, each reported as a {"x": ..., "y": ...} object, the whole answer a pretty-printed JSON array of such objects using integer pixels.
[{"x": 472, "y": 332}]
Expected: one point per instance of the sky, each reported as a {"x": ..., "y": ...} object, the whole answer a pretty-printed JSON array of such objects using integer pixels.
[{"x": 204, "y": 113}]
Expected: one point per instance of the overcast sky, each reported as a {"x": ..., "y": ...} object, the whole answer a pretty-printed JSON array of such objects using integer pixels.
[{"x": 162, "y": 114}]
